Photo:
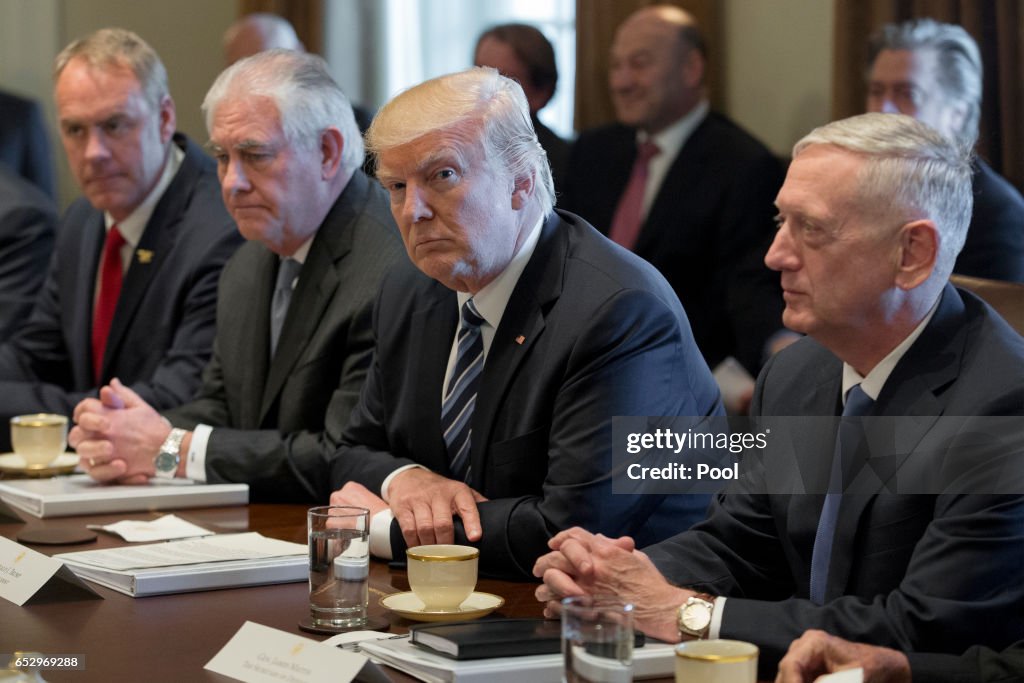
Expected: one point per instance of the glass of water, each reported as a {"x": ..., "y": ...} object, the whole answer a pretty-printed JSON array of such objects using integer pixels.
[
  {"x": 597, "y": 640},
  {"x": 339, "y": 564}
]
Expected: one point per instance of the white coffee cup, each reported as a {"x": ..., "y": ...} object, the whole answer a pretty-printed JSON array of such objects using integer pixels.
[
  {"x": 39, "y": 438},
  {"x": 716, "y": 661},
  {"x": 442, "y": 576}
]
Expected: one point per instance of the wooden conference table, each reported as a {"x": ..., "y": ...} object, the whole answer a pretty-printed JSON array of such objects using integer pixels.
[{"x": 170, "y": 638}]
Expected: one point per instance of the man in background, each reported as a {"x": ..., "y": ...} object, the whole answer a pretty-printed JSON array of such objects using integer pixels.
[
  {"x": 683, "y": 187},
  {"x": 486, "y": 417},
  {"x": 522, "y": 53},
  {"x": 871, "y": 217},
  {"x": 933, "y": 72},
  {"x": 293, "y": 314},
  {"x": 131, "y": 291}
]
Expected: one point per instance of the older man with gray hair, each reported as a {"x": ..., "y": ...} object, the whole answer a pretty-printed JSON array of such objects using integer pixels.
[
  {"x": 293, "y": 318},
  {"x": 932, "y": 71},
  {"x": 487, "y": 414},
  {"x": 871, "y": 216}
]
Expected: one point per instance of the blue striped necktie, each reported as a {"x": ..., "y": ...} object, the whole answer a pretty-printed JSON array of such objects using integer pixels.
[
  {"x": 848, "y": 436},
  {"x": 460, "y": 398}
]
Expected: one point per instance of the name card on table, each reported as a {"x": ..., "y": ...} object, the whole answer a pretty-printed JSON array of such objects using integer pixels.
[
  {"x": 25, "y": 573},
  {"x": 260, "y": 654}
]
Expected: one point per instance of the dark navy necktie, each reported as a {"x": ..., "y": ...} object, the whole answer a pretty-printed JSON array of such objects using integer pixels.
[
  {"x": 460, "y": 398},
  {"x": 858, "y": 404}
]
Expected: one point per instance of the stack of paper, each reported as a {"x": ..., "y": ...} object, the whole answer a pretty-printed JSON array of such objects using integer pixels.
[{"x": 220, "y": 561}]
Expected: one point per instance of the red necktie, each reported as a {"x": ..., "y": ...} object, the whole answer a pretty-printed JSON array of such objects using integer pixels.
[
  {"x": 629, "y": 215},
  {"x": 106, "y": 300}
]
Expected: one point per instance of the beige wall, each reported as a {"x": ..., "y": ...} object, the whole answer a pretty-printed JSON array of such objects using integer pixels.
[{"x": 778, "y": 63}]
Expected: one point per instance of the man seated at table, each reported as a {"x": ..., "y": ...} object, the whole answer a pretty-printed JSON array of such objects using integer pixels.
[
  {"x": 293, "y": 319},
  {"x": 817, "y": 653},
  {"x": 493, "y": 425},
  {"x": 131, "y": 290},
  {"x": 871, "y": 216}
]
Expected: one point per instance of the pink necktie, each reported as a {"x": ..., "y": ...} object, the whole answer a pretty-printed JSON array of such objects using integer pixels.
[
  {"x": 106, "y": 301},
  {"x": 629, "y": 215}
]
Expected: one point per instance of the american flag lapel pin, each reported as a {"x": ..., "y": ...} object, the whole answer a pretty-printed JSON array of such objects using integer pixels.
[{"x": 520, "y": 339}]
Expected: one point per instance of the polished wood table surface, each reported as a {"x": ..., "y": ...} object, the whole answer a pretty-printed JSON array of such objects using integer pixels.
[{"x": 170, "y": 638}]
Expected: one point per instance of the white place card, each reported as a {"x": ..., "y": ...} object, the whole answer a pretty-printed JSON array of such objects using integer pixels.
[
  {"x": 260, "y": 654},
  {"x": 847, "y": 676},
  {"x": 166, "y": 528},
  {"x": 24, "y": 573}
]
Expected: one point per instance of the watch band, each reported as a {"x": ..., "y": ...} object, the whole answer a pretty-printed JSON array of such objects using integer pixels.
[
  {"x": 694, "y": 616},
  {"x": 166, "y": 461}
]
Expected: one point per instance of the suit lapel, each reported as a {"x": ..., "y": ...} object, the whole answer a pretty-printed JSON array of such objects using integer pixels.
[
  {"x": 428, "y": 364},
  {"x": 521, "y": 325},
  {"x": 912, "y": 390},
  {"x": 255, "y": 331}
]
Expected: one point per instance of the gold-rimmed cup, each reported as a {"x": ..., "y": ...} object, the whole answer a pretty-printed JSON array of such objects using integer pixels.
[
  {"x": 39, "y": 438},
  {"x": 716, "y": 661},
  {"x": 442, "y": 576}
]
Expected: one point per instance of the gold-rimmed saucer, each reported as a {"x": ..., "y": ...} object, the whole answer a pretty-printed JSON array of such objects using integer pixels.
[
  {"x": 409, "y": 606},
  {"x": 12, "y": 463}
]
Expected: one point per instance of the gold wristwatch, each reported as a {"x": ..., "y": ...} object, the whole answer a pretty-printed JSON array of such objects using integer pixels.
[{"x": 694, "y": 616}]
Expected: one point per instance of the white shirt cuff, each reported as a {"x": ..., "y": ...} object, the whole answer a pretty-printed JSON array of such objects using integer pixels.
[
  {"x": 716, "y": 618},
  {"x": 380, "y": 534},
  {"x": 387, "y": 480},
  {"x": 195, "y": 465}
]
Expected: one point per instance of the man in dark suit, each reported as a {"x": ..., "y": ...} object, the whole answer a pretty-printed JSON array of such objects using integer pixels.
[
  {"x": 263, "y": 416},
  {"x": 27, "y": 230},
  {"x": 817, "y": 653},
  {"x": 131, "y": 290},
  {"x": 24, "y": 145},
  {"x": 932, "y": 71},
  {"x": 865, "y": 268},
  {"x": 700, "y": 210},
  {"x": 506, "y": 426},
  {"x": 522, "y": 53}
]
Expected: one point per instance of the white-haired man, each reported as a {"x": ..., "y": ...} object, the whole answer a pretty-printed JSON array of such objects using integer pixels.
[
  {"x": 932, "y": 71},
  {"x": 871, "y": 216},
  {"x": 293, "y": 318},
  {"x": 501, "y": 417}
]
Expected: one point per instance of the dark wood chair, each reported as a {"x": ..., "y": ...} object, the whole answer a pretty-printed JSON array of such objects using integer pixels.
[{"x": 1006, "y": 297}]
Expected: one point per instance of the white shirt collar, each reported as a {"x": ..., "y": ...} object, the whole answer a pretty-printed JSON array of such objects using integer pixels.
[
  {"x": 302, "y": 253},
  {"x": 132, "y": 227},
  {"x": 671, "y": 139},
  {"x": 492, "y": 299},
  {"x": 877, "y": 377}
]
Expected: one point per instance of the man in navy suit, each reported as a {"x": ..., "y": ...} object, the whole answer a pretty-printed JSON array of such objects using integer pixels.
[
  {"x": 871, "y": 217},
  {"x": 932, "y": 71},
  {"x": 700, "y": 209},
  {"x": 24, "y": 145},
  {"x": 486, "y": 417},
  {"x": 131, "y": 291}
]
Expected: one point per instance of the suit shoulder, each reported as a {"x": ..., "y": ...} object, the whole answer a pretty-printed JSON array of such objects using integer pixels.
[{"x": 728, "y": 137}]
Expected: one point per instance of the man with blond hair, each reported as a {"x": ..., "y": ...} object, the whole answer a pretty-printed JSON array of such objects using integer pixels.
[
  {"x": 132, "y": 288},
  {"x": 486, "y": 417}
]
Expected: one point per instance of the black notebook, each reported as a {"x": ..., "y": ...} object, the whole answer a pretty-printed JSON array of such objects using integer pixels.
[{"x": 493, "y": 638}]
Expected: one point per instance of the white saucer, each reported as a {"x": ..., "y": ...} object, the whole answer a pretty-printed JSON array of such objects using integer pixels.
[
  {"x": 12, "y": 463},
  {"x": 409, "y": 606}
]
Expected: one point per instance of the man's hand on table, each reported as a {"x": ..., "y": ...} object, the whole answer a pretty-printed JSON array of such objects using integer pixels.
[{"x": 425, "y": 503}]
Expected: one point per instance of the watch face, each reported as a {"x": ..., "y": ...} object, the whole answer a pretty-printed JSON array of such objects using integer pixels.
[
  {"x": 696, "y": 616},
  {"x": 166, "y": 462}
]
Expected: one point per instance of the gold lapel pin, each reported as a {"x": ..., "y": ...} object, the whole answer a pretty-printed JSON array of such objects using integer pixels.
[
  {"x": 144, "y": 255},
  {"x": 520, "y": 339}
]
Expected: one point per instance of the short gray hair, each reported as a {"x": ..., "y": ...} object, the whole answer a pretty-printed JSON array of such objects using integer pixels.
[
  {"x": 477, "y": 94},
  {"x": 913, "y": 172},
  {"x": 119, "y": 47},
  {"x": 959, "y": 71},
  {"x": 307, "y": 98}
]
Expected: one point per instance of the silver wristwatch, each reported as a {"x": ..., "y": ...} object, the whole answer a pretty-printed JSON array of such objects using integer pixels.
[
  {"x": 694, "y": 618},
  {"x": 166, "y": 461}
]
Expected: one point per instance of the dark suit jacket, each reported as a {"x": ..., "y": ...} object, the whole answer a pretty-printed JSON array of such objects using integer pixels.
[
  {"x": 602, "y": 335},
  {"x": 914, "y": 572},
  {"x": 273, "y": 417},
  {"x": 557, "y": 150},
  {"x": 707, "y": 230},
  {"x": 977, "y": 665},
  {"x": 162, "y": 332},
  {"x": 994, "y": 247},
  {"x": 27, "y": 228},
  {"x": 24, "y": 146}
]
